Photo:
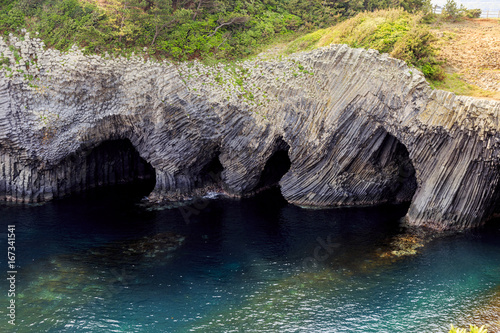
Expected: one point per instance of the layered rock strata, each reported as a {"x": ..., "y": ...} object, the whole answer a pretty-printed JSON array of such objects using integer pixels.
[{"x": 345, "y": 126}]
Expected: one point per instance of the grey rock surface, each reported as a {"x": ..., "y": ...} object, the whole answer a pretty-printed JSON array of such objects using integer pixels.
[{"x": 359, "y": 128}]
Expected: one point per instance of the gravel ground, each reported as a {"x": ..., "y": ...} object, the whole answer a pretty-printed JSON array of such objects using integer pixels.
[{"x": 472, "y": 49}]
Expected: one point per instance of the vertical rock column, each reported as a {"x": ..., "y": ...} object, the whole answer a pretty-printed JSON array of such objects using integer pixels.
[{"x": 458, "y": 185}]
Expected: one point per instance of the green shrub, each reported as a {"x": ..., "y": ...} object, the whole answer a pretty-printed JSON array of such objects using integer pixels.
[
  {"x": 472, "y": 13},
  {"x": 12, "y": 20},
  {"x": 386, "y": 35},
  {"x": 416, "y": 48},
  {"x": 4, "y": 61}
]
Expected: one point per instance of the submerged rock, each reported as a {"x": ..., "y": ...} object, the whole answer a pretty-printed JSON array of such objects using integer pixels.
[
  {"x": 94, "y": 270},
  {"x": 136, "y": 251},
  {"x": 335, "y": 127},
  {"x": 69, "y": 281},
  {"x": 404, "y": 245}
]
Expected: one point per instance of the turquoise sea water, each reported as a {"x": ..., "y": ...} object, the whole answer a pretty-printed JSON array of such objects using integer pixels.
[{"x": 255, "y": 265}]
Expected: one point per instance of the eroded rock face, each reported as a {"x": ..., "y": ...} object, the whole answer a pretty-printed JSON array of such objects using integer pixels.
[{"x": 358, "y": 127}]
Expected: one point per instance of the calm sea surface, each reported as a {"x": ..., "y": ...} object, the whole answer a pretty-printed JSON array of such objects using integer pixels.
[{"x": 255, "y": 265}]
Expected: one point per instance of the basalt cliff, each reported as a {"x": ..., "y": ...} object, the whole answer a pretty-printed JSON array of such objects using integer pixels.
[{"x": 335, "y": 127}]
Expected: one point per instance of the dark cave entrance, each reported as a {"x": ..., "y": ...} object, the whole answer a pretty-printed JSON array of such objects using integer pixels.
[
  {"x": 210, "y": 174},
  {"x": 392, "y": 161},
  {"x": 491, "y": 218},
  {"x": 276, "y": 167},
  {"x": 117, "y": 164}
]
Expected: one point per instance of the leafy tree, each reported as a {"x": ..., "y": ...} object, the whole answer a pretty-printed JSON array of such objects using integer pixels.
[
  {"x": 161, "y": 16},
  {"x": 451, "y": 9}
]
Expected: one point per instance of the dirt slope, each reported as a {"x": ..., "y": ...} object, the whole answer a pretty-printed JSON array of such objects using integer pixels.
[{"x": 471, "y": 49}]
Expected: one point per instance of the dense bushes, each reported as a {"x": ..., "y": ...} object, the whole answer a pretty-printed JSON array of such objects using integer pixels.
[
  {"x": 223, "y": 29},
  {"x": 179, "y": 29},
  {"x": 416, "y": 48},
  {"x": 472, "y": 13}
]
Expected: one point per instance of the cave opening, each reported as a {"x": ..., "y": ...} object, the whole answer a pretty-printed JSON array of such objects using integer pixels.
[
  {"x": 211, "y": 172},
  {"x": 491, "y": 219},
  {"x": 392, "y": 161},
  {"x": 117, "y": 165},
  {"x": 276, "y": 167}
]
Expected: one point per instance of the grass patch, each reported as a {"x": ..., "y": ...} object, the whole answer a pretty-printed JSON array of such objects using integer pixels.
[
  {"x": 454, "y": 83},
  {"x": 378, "y": 30},
  {"x": 306, "y": 42}
]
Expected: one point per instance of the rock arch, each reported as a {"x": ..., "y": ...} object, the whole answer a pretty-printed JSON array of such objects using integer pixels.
[{"x": 370, "y": 167}]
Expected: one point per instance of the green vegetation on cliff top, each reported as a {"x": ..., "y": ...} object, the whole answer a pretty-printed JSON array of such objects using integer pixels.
[
  {"x": 179, "y": 29},
  {"x": 215, "y": 30}
]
